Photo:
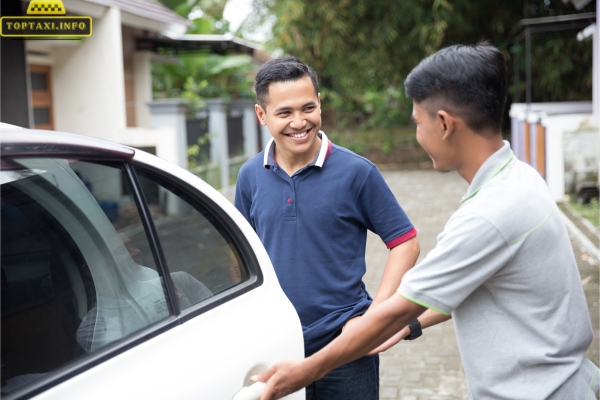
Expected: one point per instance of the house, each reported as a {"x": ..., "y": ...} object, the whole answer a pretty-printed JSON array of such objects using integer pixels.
[
  {"x": 100, "y": 85},
  {"x": 560, "y": 139}
]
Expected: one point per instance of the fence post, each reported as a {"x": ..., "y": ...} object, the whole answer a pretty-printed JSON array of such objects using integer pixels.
[
  {"x": 171, "y": 113},
  {"x": 171, "y": 144},
  {"x": 217, "y": 129},
  {"x": 249, "y": 124}
]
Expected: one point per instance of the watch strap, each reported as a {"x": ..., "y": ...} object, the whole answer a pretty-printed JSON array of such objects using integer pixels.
[{"x": 415, "y": 330}]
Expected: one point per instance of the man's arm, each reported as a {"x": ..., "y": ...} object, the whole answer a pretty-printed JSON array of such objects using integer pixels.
[
  {"x": 427, "y": 319},
  {"x": 400, "y": 259},
  {"x": 375, "y": 327}
]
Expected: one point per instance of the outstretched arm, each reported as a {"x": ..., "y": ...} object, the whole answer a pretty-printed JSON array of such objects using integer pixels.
[
  {"x": 374, "y": 328},
  {"x": 427, "y": 319}
]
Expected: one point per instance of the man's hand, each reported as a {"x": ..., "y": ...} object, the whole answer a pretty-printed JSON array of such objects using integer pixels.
[
  {"x": 367, "y": 332},
  {"x": 285, "y": 378}
]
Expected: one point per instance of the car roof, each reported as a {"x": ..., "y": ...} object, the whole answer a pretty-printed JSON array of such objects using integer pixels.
[{"x": 20, "y": 142}]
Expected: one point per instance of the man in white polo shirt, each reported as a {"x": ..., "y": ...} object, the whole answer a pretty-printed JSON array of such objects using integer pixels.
[{"x": 503, "y": 268}]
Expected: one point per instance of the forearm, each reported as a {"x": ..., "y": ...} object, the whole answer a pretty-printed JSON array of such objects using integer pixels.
[
  {"x": 400, "y": 259},
  {"x": 427, "y": 319},
  {"x": 374, "y": 328},
  {"x": 431, "y": 318}
]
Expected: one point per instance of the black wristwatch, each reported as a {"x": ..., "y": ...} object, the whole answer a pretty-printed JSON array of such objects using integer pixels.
[{"x": 415, "y": 330}]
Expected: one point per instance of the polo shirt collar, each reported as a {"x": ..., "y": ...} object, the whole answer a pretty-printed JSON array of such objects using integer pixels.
[
  {"x": 324, "y": 151},
  {"x": 489, "y": 169}
]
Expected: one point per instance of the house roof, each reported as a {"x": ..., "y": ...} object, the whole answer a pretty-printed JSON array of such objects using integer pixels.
[
  {"x": 150, "y": 9},
  {"x": 551, "y": 24},
  {"x": 220, "y": 44}
]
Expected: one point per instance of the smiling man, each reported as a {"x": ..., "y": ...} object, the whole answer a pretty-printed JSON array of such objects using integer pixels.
[
  {"x": 311, "y": 203},
  {"x": 503, "y": 267}
]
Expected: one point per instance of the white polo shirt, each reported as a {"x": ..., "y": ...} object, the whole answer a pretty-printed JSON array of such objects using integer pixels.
[{"x": 505, "y": 269}]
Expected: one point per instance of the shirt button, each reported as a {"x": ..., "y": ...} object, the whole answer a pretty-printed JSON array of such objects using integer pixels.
[{"x": 289, "y": 200}]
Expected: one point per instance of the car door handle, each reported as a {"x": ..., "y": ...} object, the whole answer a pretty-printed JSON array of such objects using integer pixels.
[{"x": 251, "y": 392}]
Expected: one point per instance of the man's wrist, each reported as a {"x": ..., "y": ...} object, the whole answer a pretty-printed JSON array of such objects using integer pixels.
[
  {"x": 415, "y": 330},
  {"x": 316, "y": 368}
]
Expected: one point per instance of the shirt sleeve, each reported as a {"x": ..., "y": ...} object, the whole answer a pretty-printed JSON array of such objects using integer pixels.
[
  {"x": 242, "y": 200},
  {"x": 470, "y": 250},
  {"x": 382, "y": 213}
]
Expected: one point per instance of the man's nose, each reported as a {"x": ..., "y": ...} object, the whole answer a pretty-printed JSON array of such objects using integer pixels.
[{"x": 298, "y": 121}]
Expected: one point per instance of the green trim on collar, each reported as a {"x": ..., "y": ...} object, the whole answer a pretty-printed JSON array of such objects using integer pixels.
[{"x": 500, "y": 168}]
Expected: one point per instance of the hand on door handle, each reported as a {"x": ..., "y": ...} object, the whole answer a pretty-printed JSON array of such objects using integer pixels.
[{"x": 251, "y": 392}]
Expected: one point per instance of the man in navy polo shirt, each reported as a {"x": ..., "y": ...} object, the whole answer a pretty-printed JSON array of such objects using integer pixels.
[{"x": 311, "y": 203}]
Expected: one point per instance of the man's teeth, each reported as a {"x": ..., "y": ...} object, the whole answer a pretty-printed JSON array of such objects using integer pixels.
[{"x": 299, "y": 135}]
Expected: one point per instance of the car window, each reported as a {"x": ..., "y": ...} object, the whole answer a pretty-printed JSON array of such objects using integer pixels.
[
  {"x": 199, "y": 252},
  {"x": 77, "y": 270}
]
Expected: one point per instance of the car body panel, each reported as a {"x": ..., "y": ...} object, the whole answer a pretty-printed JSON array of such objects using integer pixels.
[{"x": 207, "y": 351}]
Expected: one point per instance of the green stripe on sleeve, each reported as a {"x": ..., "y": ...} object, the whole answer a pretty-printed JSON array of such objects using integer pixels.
[
  {"x": 591, "y": 394},
  {"x": 423, "y": 304}
]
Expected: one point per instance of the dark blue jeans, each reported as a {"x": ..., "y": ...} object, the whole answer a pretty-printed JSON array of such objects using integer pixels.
[{"x": 358, "y": 380}]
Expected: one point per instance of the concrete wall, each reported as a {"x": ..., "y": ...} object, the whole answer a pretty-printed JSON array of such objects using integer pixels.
[
  {"x": 581, "y": 154},
  {"x": 88, "y": 82},
  {"x": 143, "y": 87},
  {"x": 561, "y": 152}
]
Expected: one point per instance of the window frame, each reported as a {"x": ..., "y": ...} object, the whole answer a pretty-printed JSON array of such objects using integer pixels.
[
  {"x": 177, "y": 317},
  {"x": 244, "y": 248}
]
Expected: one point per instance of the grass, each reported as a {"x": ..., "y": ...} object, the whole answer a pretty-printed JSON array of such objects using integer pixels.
[
  {"x": 395, "y": 147},
  {"x": 590, "y": 211},
  {"x": 362, "y": 140}
]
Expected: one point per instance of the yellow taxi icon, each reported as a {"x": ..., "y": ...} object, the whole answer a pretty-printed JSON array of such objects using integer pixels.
[{"x": 41, "y": 7}]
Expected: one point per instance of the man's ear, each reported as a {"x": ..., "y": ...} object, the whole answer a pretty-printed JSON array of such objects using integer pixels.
[
  {"x": 261, "y": 114},
  {"x": 319, "y": 101},
  {"x": 447, "y": 123}
]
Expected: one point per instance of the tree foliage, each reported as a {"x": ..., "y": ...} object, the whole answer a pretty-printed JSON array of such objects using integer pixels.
[
  {"x": 197, "y": 76},
  {"x": 363, "y": 49},
  {"x": 201, "y": 75}
]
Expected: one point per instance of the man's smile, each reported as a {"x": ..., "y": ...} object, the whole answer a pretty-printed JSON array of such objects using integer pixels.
[{"x": 298, "y": 135}]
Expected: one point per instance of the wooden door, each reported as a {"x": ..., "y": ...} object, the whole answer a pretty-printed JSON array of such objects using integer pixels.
[{"x": 41, "y": 96}]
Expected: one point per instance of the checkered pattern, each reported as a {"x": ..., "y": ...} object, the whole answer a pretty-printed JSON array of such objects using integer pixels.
[{"x": 46, "y": 7}]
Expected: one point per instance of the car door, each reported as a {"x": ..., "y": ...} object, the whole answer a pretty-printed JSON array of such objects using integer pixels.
[{"x": 132, "y": 278}]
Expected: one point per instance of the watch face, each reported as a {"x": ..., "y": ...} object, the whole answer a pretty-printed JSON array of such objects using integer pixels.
[{"x": 415, "y": 330}]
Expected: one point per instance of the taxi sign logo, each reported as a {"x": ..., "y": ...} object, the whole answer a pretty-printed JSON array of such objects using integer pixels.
[
  {"x": 46, "y": 8},
  {"x": 46, "y": 19}
]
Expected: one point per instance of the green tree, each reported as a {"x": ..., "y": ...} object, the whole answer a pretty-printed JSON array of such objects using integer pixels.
[
  {"x": 197, "y": 76},
  {"x": 211, "y": 21},
  {"x": 363, "y": 49},
  {"x": 203, "y": 75}
]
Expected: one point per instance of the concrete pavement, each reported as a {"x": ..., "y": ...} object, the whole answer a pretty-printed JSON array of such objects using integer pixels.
[{"x": 430, "y": 368}]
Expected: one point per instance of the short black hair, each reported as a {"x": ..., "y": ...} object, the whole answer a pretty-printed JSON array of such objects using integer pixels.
[
  {"x": 469, "y": 81},
  {"x": 284, "y": 69}
]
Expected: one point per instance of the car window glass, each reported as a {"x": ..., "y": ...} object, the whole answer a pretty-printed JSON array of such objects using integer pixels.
[
  {"x": 199, "y": 252},
  {"x": 73, "y": 279}
]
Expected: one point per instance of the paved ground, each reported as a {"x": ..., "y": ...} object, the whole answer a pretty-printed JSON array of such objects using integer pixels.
[{"x": 430, "y": 368}]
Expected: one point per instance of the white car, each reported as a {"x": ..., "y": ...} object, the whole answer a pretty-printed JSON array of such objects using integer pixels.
[{"x": 126, "y": 277}]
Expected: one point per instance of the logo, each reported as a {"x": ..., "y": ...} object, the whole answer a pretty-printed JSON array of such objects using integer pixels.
[{"x": 46, "y": 19}]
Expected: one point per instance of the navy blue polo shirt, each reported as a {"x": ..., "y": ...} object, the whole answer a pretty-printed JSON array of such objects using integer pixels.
[{"x": 314, "y": 227}]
